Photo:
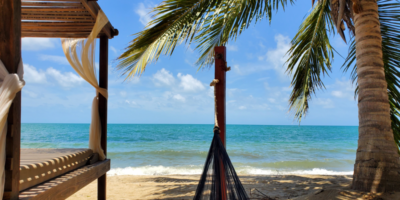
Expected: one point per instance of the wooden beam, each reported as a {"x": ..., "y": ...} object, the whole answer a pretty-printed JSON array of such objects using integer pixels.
[
  {"x": 47, "y": 9},
  {"x": 54, "y": 0},
  {"x": 220, "y": 74},
  {"x": 93, "y": 8},
  {"x": 10, "y": 54},
  {"x": 51, "y": 4},
  {"x": 68, "y": 184},
  {"x": 103, "y": 83},
  {"x": 55, "y": 18},
  {"x": 58, "y": 28},
  {"x": 54, "y": 34}
]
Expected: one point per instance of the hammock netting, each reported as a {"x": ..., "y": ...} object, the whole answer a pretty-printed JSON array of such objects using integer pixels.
[{"x": 219, "y": 180}]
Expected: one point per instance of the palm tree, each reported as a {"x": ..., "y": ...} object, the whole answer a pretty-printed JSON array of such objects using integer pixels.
[{"x": 374, "y": 25}]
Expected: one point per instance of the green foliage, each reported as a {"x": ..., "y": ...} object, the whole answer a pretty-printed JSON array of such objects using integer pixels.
[
  {"x": 209, "y": 22},
  {"x": 389, "y": 15},
  {"x": 310, "y": 57}
]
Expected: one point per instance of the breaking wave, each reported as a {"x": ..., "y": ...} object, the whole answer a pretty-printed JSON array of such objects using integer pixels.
[{"x": 194, "y": 170}]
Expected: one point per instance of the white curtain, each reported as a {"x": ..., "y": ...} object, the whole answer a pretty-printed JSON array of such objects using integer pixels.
[
  {"x": 10, "y": 85},
  {"x": 85, "y": 67}
]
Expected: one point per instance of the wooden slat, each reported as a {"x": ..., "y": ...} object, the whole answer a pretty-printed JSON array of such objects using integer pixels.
[
  {"x": 10, "y": 54},
  {"x": 74, "y": 16},
  {"x": 33, "y": 9},
  {"x": 60, "y": 14},
  {"x": 66, "y": 185},
  {"x": 48, "y": 4},
  {"x": 71, "y": 31},
  {"x": 51, "y": 13},
  {"x": 55, "y": 35},
  {"x": 56, "y": 12},
  {"x": 24, "y": 28},
  {"x": 56, "y": 18},
  {"x": 58, "y": 30},
  {"x": 52, "y": 0},
  {"x": 93, "y": 9},
  {"x": 51, "y": 24}
]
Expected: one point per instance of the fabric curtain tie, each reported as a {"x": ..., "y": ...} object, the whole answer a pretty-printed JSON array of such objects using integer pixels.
[
  {"x": 10, "y": 85},
  {"x": 102, "y": 91},
  {"x": 80, "y": 54},
  {"x": 213, "y": 84}
]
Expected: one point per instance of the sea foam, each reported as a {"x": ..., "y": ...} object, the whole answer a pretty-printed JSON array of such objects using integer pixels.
[{"x": 195, "y": 170}]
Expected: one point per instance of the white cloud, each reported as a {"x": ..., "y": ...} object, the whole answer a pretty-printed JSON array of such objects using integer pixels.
[
  {"x": 132, "y": 103},
  {"x": 343, "y": 89},
  {"x": 57, "y": 59},
  {"x": 143, "y": 12},
  {"x": 67, "y": 79},
  {"x": 325, "y": 103},
  {"x": 236, "y": 68},
  {"x": 179, "y": 98},
  {"x": 277, "y": 57},
  {"x": 123, "y": 94},
  {"x": 190, "y": 84},
  {"x": 37, "y": 44},
  {"x": 114, "y": 49},
  {"x": 231, "y": 47},
  {"x": 242, "y": 107},
  {"x": 272, "y": 100},
  {"x": 30, "y": 94},
  {"x": 338, "y": 94},
  {"x": 163, "y": 78},
  {"x": 31, "y": 75}
]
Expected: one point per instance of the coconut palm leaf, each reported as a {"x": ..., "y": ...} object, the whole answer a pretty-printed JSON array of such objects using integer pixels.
[
  {"x": 174, "y": 21},
  {"x": 389, "y": 16},
  {"x": 177, "y": 21},
  {"x": 235, "y": 17},
  {"x": 310, "y": 57}
]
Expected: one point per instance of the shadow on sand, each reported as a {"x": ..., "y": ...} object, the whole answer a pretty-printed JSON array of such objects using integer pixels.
[{"x": 275, "y": 187}]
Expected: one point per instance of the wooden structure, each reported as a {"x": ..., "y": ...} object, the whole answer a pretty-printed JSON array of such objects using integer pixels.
[
  {"x": 57, "y": 19},
  {"x": 220, "y": 89},
  {"x": 220, "y": 97}
]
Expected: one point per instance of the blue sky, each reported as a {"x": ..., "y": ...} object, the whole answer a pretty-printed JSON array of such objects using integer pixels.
[{"x": 173, "y": 91}]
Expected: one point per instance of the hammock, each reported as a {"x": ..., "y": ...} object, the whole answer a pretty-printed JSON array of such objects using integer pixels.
[{"x": 219, "y": 180}]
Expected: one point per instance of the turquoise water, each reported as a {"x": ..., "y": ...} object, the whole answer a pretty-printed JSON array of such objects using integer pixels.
[{"x": 182, "y": 149}]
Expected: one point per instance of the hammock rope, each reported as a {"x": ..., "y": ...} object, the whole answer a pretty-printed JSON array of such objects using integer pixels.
[{"x": 219, "y": 180}]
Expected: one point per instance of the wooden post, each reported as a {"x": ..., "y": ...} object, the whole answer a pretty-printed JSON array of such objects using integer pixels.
[
  {"x": 103, "y": 83},
  {"x": 220, "y": 74},
  {"x": 220, "y": 87},
  {"x": 10, "y": 54}
]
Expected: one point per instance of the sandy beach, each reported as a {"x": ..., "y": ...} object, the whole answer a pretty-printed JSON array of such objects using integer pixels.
[{"x": 296, "y": 187}]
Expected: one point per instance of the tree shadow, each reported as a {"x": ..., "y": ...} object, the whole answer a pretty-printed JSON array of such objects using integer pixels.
[{"x": 275, "y": 187}]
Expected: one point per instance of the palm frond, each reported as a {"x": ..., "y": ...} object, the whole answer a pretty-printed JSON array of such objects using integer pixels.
[
  {"x": 389, "y": 17},
  {"x": 235, "y": 16},
  {"x": 310, "y": 57},
  {"x": 174, "y": 21},
  {"x": 211, "y": 22}
]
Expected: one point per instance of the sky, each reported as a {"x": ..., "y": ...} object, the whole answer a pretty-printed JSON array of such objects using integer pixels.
[{"x": 173, "y": 90}]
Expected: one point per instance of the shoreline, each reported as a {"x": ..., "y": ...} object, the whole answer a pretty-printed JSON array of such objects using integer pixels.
[{"x": 296, "y": 187}]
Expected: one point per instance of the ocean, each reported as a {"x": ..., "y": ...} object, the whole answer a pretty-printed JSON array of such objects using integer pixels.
[{"x": 162, "y": 149}]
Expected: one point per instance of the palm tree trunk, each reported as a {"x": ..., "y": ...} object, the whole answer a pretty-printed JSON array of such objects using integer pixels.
[{"x": 377, "y": 167}]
